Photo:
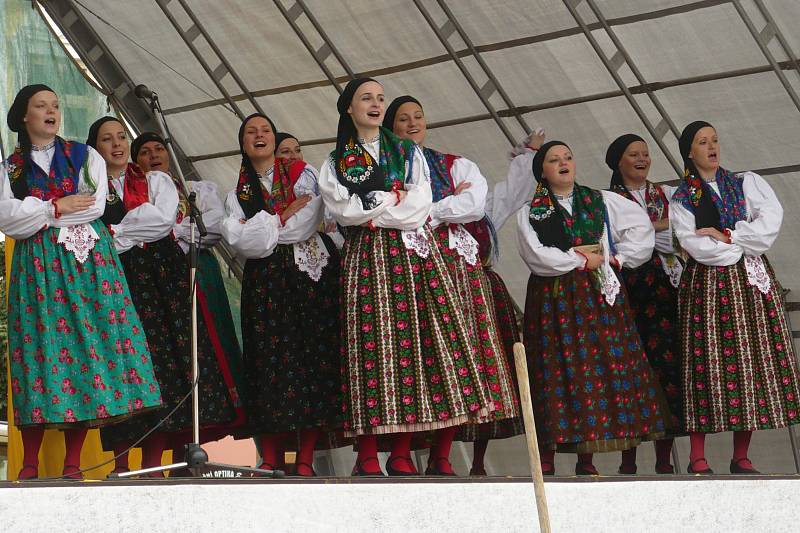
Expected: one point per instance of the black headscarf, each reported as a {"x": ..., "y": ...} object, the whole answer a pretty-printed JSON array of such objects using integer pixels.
[
  {"x": 254, "y": 201},
  {"x": 94, "y": 130},
  {"x": 391, "y": 111},
  {"x": 141, "y": 140},
  {"x": 614, "y": 155},
  {"x": 706, "y": 214},
  {"x": 282, "y": 136},
  {"x": 550, "y": 230},
  {"x": 16, "y": 114},
  {"x": 346, "y": 129},
  {"x": 16, "y": 123}
]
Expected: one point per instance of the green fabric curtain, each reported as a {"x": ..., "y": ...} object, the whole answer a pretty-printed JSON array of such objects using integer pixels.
[{"x": 30, "y": 53}]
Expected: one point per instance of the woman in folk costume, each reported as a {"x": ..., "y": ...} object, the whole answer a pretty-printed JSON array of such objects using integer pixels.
[
  {"x": 288, "y": 147},
  {"x": 139, "y": 213},
  {"x": 652, "y": 288},
  {"x": 463, "y": 235},
  {"x": 739, "y": 367},
  {"x": 290, "y": 297},
  {"x": 409, "y": 361},
  {"x": 592, "y": 387},
  {"x": 78, "y": 355},
  {"x": 149, "y": 151}
]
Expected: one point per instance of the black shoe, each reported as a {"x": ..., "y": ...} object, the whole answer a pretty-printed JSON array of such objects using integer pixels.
[
  {"x": 690, "y": 469},
  {"x": 434, "y": 470},
  {"x": 298, "y": 474},
  {"x": 359, "y": 471},
  {"x": 586, "y": 470},
  {"x": 665, "y": 468},
  {"x": 737, "y": 468},
  {"x": 390, "y": 469},
  {"x": 622, "y": 471}
]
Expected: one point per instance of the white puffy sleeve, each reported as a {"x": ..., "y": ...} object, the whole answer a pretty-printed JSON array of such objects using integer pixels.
[
  {"x": 251, "y": 239},
  {"x": 631, "y": 230},
  {"x": 543, "y": 260},
  {"x": 705, "y": 250},
  {"x": 303, "y": 224},
  {"x": 150, "y": 221},
  {"x": 347, "y": 209},
  {"x": 213, "y": 212},
  {"x": 469, "y": 205},
  {"x": 20, "y": 219},
  {"x": 764, "y": 213},
  {"x": 96, "y": 183},
  {"x": 413, "y": 211},
  {"x": 517, "y": 190},
  {"x": 664, "y": 241}
]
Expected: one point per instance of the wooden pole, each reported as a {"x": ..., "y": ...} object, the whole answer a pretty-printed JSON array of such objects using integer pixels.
[{"x": 530, "y": 434}]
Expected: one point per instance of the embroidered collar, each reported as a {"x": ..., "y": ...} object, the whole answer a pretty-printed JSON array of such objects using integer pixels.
[
  {"x": 370, "y": 141},
  {"x": 44, "y": 148},
  {"x": 565, "y": 196}
]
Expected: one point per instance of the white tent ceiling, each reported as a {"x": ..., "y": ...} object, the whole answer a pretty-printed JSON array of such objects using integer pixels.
[{"x": 484, "y": 70}]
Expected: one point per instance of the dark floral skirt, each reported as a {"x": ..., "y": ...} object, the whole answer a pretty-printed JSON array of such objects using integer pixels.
[
  {"x": 654, "y": 302},
  {"x": 158, "y": 275},
  {"x": 291, "y": 334},
  {"x": 739, "y": 368},
  {"x": 591, "y": 385}
]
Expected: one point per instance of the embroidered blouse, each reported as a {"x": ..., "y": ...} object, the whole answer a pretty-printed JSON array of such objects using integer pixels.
[
  {"x": 751, "y": 237},
  {"x": 347, "y": 209},
  {"x": 20, "y": 219},
  {"x": 213, "y": 212},
  {"x": 151, "y": 221},
  {"x": 258, "y": 236},
  {"x": 631, "y": 232}
]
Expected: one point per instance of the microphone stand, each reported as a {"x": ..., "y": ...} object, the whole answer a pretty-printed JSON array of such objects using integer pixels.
[{"x": 195, "y": 457}]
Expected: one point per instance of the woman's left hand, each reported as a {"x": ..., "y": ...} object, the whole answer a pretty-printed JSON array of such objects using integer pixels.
[{"x": 714, "y": 233}]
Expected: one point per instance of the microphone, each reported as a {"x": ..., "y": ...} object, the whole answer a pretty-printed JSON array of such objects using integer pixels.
[{"x": 141, "y": 91}]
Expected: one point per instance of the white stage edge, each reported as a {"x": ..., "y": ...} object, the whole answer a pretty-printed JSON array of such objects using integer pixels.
[{"x": 760, "y": 505}]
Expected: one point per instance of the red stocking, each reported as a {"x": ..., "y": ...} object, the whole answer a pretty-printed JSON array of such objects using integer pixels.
[
  {"x": 741, "y": 444},
  {"x": 367, "y": 459},
  {"x": 400, "y": 458},
  {"x": 121, "y": 461},
  {"x": 697, "y": 450},
  {"x": 548, "y": 460},
  {"x": 441, "y": 452},
  {"x": 664, "y": 451},
  {"x": 305, "y": 455},
  {"x": 31, "y": 442},
  {"x": 152, "y": 450},
  {"x": 269, "y": 450},
  {"x": 73, "y": 442}
]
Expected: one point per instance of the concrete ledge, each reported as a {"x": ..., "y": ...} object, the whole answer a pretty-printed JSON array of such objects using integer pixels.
[{"x": 669, "y": 504}]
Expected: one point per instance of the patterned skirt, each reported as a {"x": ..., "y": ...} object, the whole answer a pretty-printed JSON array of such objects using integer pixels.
[
  {"x": 291, "y": 333},
  {"x": 507, "y": 327},
  {"x": 739, "y": 368},
  {"x": 77, "y": 349},
  {"x": 654, "y": 302},
  {"x": 158, "y": 275},
  {"x": 411, "y": 362},
  {"x": 591, "y": 385}
]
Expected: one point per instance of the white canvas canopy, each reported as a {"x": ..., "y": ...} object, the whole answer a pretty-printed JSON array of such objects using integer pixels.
[{"x": 485, "y": 71}]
